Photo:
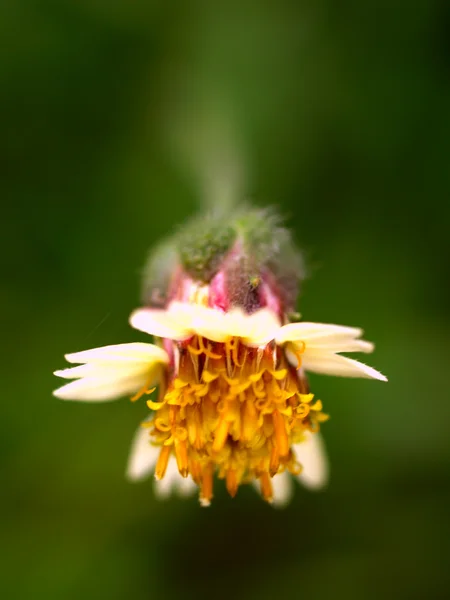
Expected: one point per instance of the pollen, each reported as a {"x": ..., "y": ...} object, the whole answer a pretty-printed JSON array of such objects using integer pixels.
[{"x": 234, "y": 411}]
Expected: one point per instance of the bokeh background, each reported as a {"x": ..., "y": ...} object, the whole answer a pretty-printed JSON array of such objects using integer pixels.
[{"x": 118, "y": 121}]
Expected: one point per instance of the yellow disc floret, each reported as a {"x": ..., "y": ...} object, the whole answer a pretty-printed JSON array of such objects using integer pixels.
[{"x": 233, "y": 410}]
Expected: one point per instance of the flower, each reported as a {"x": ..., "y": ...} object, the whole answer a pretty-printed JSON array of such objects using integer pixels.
[
  {"x": 230, "y": 361},
  {"x": 233, "y": 397}
]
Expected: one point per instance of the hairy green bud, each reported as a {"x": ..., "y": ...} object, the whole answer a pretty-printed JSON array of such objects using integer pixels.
[{"x": 240, "y": 255}]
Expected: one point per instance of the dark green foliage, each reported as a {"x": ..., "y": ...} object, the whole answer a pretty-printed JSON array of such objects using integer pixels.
[{"x": 344, "y": 110}]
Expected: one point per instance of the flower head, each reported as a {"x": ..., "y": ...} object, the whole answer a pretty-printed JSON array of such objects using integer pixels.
[{"x": 233, "y": 399}]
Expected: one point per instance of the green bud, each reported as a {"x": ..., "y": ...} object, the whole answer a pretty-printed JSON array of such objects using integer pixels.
[{"x": 248, "y": 250}]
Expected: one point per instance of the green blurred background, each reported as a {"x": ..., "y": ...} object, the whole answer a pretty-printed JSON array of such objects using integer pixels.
[{"x": 118, "y": 120}]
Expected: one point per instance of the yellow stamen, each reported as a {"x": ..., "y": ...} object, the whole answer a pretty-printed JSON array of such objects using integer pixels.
[
  {"x": 196, "y": 471},
  {"x": 279, "y": 375},
  {"x": 322, "y": 417},
  {"x": 206, "y": 493},
  {"x": 231, "y": 482},
  {"x": 298, "y": 350},
  {"x": 274, "y": 461},
  {"x": 208, "y": 376},
  {"x": 306, "y": 397},
  {"x": 142, "y": 392},
  {"x": 249, "y": 421},
  {"x": 234, "y": 353},
  {"x": 202, "y": 349},
  {"x": 238, "y": 420},
  {"x": 281, "y": 438},
  {"x": 161, "y": 425},
  {"x": 221, "y": 435},
  {"x": 163, "y": 459},
  {"x": 154, "y": 405},
  {"x": 182, "y": 457},
  {"x": 303, "y": 410},
  {"x": 266, "y": 487}
]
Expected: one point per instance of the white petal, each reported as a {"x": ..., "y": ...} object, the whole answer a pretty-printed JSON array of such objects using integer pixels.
[
  {"x": 338, "y": 344},
  {"x": 113, "y": 371},
  {"x": 255, "y": 330},
  {"x": 77, "y": 372},
  {"x": 143, "y": 456},
  {"x": 161, "y": 323},
  {"x": 282, "y": 489},
  {"x": 335, "y": 364},
  {"x": 186, "y": 486},
  {"x": 312, "y": 455},
  {"x": 255, "y": 483},
  {"x": 210, "y": 323},
  {"x": 134, "y": 352},
  {"x": 308, "y": 331},
  {"x": 101, "y": 389},
  {"x": 260, "y": 328},
  {"x": 181, "y": 320}
]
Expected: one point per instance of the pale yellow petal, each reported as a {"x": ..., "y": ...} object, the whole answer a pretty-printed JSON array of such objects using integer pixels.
[
  {"x": 283, "y": 489},
  {"x": 110, "y": 370},
  {"x": 210, "y": 323},
  {"x": 311, "y": 454},
  {"x": 143, "y": 456},
  {"x": 308, "y": 331},
  {"x": 335, "y": 364},
  {"x": 160, "y": 323},
  {"x": 133, "y": 352},
  {"x": 341, "y": 345},
  {"x": 101, "y": 389},
  {"x": 260, "y": 328}
]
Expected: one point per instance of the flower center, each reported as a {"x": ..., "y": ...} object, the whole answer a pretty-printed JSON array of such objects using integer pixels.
[{"x": 233, "y": 410}]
